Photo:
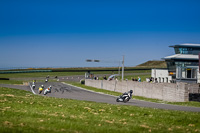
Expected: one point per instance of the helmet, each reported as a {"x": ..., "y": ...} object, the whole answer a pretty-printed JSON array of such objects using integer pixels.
[
  {"x": 131, "y": 91},
  {"x": 42, "y": 85}
]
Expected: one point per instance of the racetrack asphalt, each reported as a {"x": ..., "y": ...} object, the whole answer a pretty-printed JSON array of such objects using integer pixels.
[{"x": 63, "y": 90}]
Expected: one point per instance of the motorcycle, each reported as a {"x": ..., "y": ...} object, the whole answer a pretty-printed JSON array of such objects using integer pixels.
[
  {"x": 125, "y": 97},
  {"x": 40, "y": 89},
  {"x": 33, "y": 86},
  {"x": 48, "y": 90}
]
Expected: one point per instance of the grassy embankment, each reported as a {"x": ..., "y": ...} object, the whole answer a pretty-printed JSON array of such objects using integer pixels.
[
  {"x": 18, "y": 78},
  {"x": 20, "y": 111}
]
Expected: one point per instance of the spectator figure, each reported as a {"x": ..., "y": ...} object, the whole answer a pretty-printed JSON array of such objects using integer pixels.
[
  {"x": 104, "y": 78},
  {"x": 156, "y": 80},
  {"x": 132, "y": 78},
  {"x": 91, "y": 76},
  {"x": 151, "y": 79},
  {"x": 97, "y": 78},
  {"x": 34, "y": 81},
  {"x": 139, "y": 79}
]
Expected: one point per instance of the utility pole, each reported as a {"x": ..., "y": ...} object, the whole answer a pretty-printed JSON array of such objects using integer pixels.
[
  {"x": 123, "y": 68},
  {"x": 119, "y": 69}
]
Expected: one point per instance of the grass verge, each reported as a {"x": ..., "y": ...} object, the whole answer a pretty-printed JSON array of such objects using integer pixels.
[
  {"x": 53, "y": 74},
  {"x": 20, "y": 111},
  {"x": 10, "y": 82},
  {"x": 39, "y": 74}
]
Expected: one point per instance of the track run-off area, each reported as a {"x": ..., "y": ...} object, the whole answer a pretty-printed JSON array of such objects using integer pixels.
[{"x": 64, "y": 90}]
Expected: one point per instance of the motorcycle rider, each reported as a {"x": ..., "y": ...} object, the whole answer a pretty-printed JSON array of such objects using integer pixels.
[
  {"x": 125, "y": 96},
  {"x": 129, "y": 93},
  {"x": 47, "y": 90},
  {"x": 40, "y": 89},
  {"x": 33, "y": 84}
]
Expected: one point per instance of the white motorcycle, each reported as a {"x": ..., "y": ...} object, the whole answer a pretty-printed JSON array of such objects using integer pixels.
[
  {"x": 125, "y": 97},
  {"x": 48, "y": 90},
  {"x": 33, "y": 86}
]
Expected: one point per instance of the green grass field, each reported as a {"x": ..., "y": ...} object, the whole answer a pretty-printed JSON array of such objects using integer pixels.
[
  {"x": 39, "y": 74},
  {"x": 20, "y": 111},
  {"x": 53, "y": 74}
]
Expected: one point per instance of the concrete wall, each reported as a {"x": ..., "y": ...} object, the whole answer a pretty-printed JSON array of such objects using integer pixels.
[
  {"x": 194, "y": 88},
  {"x": 164, "y": 91}
]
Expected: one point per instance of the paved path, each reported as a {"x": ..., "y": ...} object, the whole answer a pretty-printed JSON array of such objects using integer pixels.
[{"x": 62, "y": 90}]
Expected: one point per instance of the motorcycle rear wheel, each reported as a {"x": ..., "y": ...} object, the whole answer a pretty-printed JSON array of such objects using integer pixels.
[
  {"x": 126, "y": 99},
  {"x": 117, "y": 100}
]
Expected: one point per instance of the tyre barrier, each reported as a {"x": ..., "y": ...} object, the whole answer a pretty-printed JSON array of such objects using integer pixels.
[
  {"x": 4, "y": 78},
  {"x": 30, "y": 71}
]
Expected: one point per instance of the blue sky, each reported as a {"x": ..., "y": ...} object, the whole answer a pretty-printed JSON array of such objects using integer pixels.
[{"x": 64, "y": 33}]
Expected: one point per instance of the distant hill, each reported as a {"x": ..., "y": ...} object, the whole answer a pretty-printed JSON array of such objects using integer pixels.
[{"x": 153, "y": 64}]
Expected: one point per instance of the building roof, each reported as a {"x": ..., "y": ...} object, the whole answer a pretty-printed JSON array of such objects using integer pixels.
[
  {"x": 186, "y": 45},
  {"x": 182, "y": 57}
]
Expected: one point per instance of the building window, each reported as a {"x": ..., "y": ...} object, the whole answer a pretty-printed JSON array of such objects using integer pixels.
[
  {"x": 185, "y": 64},
  {"x": 171, "y": 66},
  {"x": 186, "y": 73},
  {"x": 183, "y": 50}
]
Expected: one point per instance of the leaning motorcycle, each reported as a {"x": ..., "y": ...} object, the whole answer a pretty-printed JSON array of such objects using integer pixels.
[
  {"x": 125, "y": 97},
  {"x": 40, "y": 90}
]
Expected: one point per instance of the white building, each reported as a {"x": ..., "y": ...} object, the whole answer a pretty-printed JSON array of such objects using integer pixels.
[
  {"x": 181, "y": 67},
  {"x": 161, "y": 75}
]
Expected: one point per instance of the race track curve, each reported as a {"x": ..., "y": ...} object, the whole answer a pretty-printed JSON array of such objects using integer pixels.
[{"x": 63, "y": 90}]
